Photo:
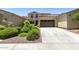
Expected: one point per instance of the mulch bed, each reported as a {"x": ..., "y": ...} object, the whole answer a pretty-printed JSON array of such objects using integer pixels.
[{"x": 19, "y": 40}]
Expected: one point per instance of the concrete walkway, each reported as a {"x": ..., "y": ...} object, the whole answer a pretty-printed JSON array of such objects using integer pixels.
[{"x": 52, "y": 38}]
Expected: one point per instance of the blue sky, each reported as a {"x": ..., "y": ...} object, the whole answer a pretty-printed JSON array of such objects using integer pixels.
[{"x": 25, "y": 11}]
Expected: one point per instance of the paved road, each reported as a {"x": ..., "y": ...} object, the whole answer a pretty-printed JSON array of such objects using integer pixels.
[{"x": 58, "y": 35}]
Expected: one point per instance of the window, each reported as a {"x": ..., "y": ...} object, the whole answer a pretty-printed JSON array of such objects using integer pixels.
[
  {"x": 36, "y": 22},
  {"x": 36, "y": 16},
  {"x": 31, "y": 16}
]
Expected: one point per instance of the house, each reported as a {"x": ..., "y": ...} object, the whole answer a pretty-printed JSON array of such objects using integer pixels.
[
  {"x": 43, "y": 19},
  {"x": 63, "y": 20},
  {"x": 8, "y": 17}
]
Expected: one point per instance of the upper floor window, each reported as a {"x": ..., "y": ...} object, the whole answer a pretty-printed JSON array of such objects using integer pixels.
[
  {"x": 36, "y": 16},
  {"x": 31, "y": 16}
]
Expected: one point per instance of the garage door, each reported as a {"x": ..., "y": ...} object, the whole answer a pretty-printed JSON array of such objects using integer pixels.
[{"x": 47, "y": 23}]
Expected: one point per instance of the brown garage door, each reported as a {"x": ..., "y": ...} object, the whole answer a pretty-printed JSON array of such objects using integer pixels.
[{"x": 47, "y": 23}]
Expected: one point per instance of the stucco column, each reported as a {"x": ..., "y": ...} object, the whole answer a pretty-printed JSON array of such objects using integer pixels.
[
  {"x": 56, "y": 23},
  {"x": 34, "y": 22},
  {"x": 38, "y": 22}
]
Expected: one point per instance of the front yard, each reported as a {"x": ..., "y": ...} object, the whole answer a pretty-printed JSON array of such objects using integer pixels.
[{"x": 25, "y": 33}]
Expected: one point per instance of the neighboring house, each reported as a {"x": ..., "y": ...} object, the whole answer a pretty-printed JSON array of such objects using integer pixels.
[
  {"x": 63, "y": 20},
  {"x": 8, "y": 17}
]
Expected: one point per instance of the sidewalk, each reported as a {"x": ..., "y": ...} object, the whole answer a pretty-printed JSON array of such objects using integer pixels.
[{"x": 40, "y": 46}]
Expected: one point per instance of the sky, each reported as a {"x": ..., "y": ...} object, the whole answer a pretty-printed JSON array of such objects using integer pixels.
[{"x": 25, "y": 11}]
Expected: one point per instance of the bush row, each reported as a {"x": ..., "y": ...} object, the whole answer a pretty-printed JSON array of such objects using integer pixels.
[
  {"x": 27, "y": 30},
  {"x": 2, "y": 27},
  {"x": 8, "y": 32}
]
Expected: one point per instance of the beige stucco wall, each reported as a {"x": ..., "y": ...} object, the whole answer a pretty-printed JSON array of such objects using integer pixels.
[
  {"x": 62, "y": 21},
  {"x": 47, "y": 18}
]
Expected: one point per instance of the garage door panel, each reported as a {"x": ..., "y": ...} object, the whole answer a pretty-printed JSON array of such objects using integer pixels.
[{"x": 47, "y": 23}]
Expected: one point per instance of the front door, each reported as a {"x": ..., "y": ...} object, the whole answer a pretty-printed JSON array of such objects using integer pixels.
[{"x": 36, "y": 23}]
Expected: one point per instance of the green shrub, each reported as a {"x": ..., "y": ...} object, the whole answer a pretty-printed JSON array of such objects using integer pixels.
[
  {"x": 26, "y": 22},
  {"x": 25, "y": 29},
  {"x": 21, "y": 25},
  {"x": 75, "y": 16},
  {"x": 33, "y": 34},
  {"x": 23, "y": 34},
  {"x": 8, "y": 32},
  {"x": 31, "y": 25},
  {"x": 18, "y": 28},
  {"x": 2, "y": 27},
  {"x": 35, "y": 27}
]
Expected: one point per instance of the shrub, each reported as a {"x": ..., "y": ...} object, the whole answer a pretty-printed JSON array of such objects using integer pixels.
[
  {"x": 33, "y": 34},
  {"x": 75, "y": 16},
  {"x": 35, "y": 27},
  {"x": 21, "y": 25},
  {"x": 8, "y": 32},
  {"x": 26, "y": 22},
  {"x": 18, "y": 28},
  {"x": 25, "y": 29},
  {"x": 2, "y": 27},
  {"x": 23, "y": 34},
  {"x": 31, "y": 25}
]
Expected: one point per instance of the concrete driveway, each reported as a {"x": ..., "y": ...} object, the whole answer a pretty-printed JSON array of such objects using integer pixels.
[{"x": 58, "y": 35}]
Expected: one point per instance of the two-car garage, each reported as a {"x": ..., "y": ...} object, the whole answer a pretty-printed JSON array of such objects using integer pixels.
[{"x": 47, "y": 23}]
